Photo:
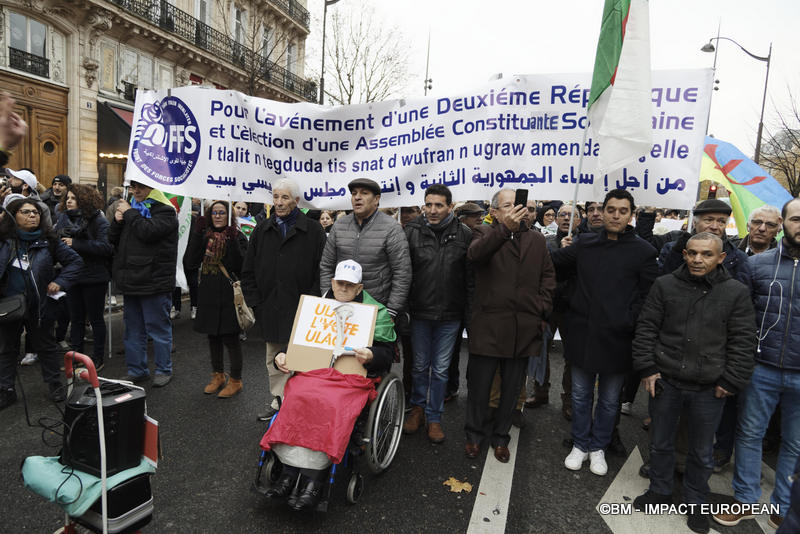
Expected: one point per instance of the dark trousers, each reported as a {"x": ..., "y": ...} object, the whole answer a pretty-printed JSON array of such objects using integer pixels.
[
  {"x": 193, "y": 282},
  {"x": 702, "y": 411},
  {"x": 542, "y": 391},
  {"x": 61, "y": 313},
  {"x": 630, "y": 387},
  {"x": 726, "y": 431},
  {"x": 408, "y": 362},
  {"x": 215, "y": 344},
  {"x": 88, "y": 301},
  {"x": 480, "y": 373},
  {"x": 39, "y": 339},
  {"x": 453, "y": 374}
]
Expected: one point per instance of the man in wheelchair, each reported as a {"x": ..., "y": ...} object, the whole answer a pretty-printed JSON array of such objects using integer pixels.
[{"x": 319, "y": 408}]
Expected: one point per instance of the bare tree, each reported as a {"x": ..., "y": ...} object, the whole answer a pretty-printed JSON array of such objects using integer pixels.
[
  {"x": 259, "y": 48},
  {"x": 368, "y": 61},
  {"x": 780, "y": 155}
]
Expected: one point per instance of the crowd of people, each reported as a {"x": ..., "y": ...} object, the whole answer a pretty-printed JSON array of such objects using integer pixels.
[{"x": 703, "y": 322}]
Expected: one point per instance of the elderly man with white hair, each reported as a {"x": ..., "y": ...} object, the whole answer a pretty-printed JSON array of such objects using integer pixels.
[
  {"x": 763, "y": 226},
  {"x": 282, "y": 263}
]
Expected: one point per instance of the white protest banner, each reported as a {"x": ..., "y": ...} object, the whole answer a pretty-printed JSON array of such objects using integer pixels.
[{"x": 523, "y": 131}]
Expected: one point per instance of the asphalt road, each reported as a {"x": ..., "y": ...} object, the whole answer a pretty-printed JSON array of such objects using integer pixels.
[{"x": 210, "y": 451}]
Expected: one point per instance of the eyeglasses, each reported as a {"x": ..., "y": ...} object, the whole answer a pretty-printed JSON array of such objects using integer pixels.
[
  {"x": 756, "y": 223},
  {"x": 531, "y": 209},
  {"x": 216, "y": 213},
  {"x": 564, "y": 215},
  {"x": 29, "y": 212}
]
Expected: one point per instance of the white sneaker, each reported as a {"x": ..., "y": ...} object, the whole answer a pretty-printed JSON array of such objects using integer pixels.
[
  {"x": 194, "y": 312},
  {"x": 625, "y": 409},
  {"x": 598, "y": 463},
  {"x": 29, "y": 359},
  {"x": 174, "y": 314},
  {"x": 575, "y": 459},
  {"x": 113, "y": 300}
]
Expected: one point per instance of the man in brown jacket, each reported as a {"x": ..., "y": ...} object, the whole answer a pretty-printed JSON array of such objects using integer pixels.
[{"x": 514, "y": 286}]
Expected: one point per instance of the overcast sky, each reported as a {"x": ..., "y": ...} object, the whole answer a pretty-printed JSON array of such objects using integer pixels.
[{"x": 472, "y": 40}]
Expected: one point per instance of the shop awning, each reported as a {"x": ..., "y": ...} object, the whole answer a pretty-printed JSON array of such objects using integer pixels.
[{"x": 113, "y": 131}]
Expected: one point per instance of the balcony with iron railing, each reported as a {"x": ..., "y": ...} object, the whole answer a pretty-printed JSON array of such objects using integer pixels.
[
  {"x": 30, "y": 63},
  {"x": 294, "y": 10},
  {"x": 182, "y": 24}
]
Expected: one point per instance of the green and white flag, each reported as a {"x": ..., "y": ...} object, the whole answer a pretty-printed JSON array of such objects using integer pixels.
[{"x": 620, "y": 110}]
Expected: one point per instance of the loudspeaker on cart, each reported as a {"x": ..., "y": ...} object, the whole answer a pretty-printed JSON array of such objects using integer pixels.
[{"x": 101, "y": 479}]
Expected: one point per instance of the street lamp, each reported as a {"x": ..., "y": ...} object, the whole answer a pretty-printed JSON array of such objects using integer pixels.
[
  {"x": 322, "y": 76},
  {"x": 709, "y": 47}
]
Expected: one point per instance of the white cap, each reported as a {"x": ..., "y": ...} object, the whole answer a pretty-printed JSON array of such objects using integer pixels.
[
  {"x": 11, "y": 198},
  {"x": 348, "y": 271},
  {"x": 26, "y": 176}
]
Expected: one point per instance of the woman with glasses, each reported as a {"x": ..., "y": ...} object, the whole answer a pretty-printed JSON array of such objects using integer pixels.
[
  {"x": 217, "y": 247},
  {"x": 83, "y": 227},
  {"x": 29, "y": 250}
]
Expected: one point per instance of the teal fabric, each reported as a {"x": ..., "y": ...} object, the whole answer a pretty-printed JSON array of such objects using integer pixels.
[{"x": 44, "y": 476}]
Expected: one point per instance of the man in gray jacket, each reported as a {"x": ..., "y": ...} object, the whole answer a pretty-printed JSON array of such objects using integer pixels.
[{"x": 376, "y": 242}]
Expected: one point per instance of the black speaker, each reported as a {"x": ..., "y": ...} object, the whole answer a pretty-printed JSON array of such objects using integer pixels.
[{"x": 123, "y": 418}]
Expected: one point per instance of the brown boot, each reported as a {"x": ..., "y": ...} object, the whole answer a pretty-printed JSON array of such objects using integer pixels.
[
  {"x": 435, "y": 433},
  {"x": 234, "y": 386},
  {"x": 414, "y": 420},
  {"x": 217, "y": 381}
]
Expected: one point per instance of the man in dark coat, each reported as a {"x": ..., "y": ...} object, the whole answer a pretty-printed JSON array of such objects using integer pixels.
[
  {"x": 615, "y": 269},
  {"x": 693, "y": 348},
  {"x": 438, "y": 245},
  {"x": 145, "y": 234},
  {"x": 514, "y": 286},
  {"x": 282, "y": 263}
]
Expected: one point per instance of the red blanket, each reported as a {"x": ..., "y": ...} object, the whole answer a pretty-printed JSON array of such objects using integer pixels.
[{"x": 319, "y": 411}]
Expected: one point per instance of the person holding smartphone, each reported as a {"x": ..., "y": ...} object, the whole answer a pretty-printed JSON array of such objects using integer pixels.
[{"x": 693, "y": 348}]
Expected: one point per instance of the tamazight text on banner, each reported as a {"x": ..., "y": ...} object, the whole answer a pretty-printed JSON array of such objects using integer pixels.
[{"x": 524, "y": 131}]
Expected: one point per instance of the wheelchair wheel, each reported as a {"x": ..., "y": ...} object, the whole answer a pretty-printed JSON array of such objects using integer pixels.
[
  {"x": 384, "y": 423},
  {"x": 355, "y": 488},
  {"x": 273, "y": 468}
]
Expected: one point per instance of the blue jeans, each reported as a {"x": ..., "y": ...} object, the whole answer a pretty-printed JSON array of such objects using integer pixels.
[
  {"x": 768, "y": 386},
  {"x": 433, "y": 347},
  {"x": 703, "y": 411},
  {"x": 145, "y": 316},
  {"x": 595, "y": 435}
]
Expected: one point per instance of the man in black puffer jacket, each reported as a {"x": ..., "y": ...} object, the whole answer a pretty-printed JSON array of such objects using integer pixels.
[
  {"x": 438, "y": 245},
  {"x": 145, "y": 234},
  {"x": 694, "y": 347}
]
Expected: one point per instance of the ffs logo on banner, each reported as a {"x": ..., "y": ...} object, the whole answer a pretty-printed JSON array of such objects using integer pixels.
[{"x": 166, "y": 144}]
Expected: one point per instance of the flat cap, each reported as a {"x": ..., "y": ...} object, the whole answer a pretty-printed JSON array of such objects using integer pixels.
[
  {"x": 712, "y": 205},
  {"x": 366, "y": 183},
  {"x": 469, "y": 208}
]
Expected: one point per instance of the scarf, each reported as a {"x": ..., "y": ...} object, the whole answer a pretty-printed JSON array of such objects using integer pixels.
[
  {"x": 441, "y": 225},
  {"x": 286, "y": 223},
  {"x": 28, "y": 237},
  {"x": 144, "y": 206},
  {"x": 216, "y": 246}
]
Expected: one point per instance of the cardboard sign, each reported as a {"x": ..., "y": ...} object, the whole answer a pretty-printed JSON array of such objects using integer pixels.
[{"x": 315, "y": 334}]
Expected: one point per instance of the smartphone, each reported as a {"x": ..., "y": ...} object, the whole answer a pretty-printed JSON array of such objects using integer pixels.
[{"x": 521, "y": 197}]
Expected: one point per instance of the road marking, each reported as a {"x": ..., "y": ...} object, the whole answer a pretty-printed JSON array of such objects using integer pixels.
[
  {"x": 628, "y": 485},
  {"x": 490, "y": 512}
]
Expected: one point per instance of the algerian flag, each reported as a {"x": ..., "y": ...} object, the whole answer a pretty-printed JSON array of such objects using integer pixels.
[
  {"x": 620, "y": 109},
  {"x": 182, "y": 205}
]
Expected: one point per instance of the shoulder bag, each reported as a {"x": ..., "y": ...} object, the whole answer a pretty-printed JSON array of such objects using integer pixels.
[{"x": 244, "y": 314}]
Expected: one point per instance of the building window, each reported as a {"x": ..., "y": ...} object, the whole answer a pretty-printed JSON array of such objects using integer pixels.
[
  {"x": 291, "y": 57},
  {"x": 201, "y": 11},
  {"x": 28, "y": 45},
  {"x": 266, "y": 41},
  {"x": 240, "y": 24}
]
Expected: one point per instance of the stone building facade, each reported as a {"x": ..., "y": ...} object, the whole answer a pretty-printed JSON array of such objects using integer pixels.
[{"x": 74, "y": 67}]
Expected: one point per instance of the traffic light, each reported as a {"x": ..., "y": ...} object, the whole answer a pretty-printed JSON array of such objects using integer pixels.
[{"x": 712, "y": 191}]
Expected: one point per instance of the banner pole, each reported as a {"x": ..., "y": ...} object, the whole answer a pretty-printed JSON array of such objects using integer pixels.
[
  {"x": 577, "y": 183},
  {"x": 108, "y": 329}
]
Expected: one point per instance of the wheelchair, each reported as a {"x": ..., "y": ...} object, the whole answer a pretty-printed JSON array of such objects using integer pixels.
[{"x": 376, "y": 436}]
